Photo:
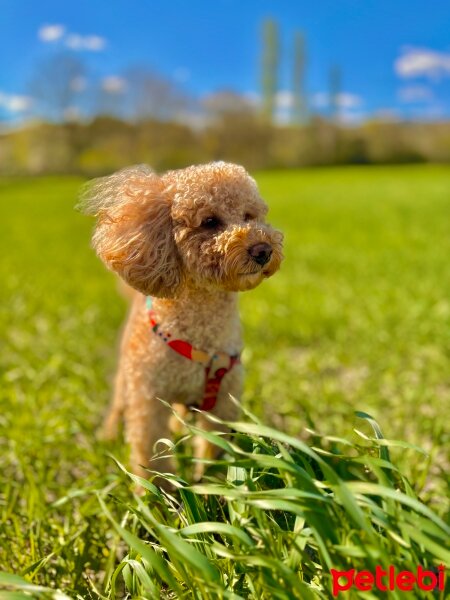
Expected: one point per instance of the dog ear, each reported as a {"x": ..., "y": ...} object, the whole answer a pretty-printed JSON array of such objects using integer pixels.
[{"x": 133, "y": 235}]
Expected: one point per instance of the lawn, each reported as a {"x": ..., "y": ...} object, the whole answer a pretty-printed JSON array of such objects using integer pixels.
[{"x": 358, "y": 318}]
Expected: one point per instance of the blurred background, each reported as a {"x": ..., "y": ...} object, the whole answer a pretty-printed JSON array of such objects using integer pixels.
[
  {"x": 358, "y": 317},
  {"x": 89, "y": 87}
]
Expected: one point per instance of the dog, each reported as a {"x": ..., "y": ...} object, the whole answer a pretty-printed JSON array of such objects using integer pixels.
[{"x": 185, "y": 242}]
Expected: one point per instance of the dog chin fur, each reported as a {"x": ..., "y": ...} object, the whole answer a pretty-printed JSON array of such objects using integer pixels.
[{"x": 155, "y": 232}]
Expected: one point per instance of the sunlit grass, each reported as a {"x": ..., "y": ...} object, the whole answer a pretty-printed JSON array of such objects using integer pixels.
[{"x": 357, "y": 319}]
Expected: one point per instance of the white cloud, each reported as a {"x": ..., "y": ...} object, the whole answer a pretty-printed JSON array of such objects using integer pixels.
[
  {"x": 74, "y": 41},
  {"x": 51, "y": 33},
  {"x": 422, "y": 62},
  {"x": 416, "y": 93},
  {"x": 14, "y": 103},
  {"x": 284, "y": 99},
  {"x": 93, "y": 43},
  {"x": 349, "y": 101},
  {"x": 114, "y": 84},
  {"x": 345, "y": 100}
]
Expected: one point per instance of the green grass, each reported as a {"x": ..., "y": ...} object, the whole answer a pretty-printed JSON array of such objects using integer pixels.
[{"x": 357, "y": 319}]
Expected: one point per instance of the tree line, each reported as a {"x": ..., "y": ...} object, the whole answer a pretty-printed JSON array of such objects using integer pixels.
[{"x": 107, "y": 143}]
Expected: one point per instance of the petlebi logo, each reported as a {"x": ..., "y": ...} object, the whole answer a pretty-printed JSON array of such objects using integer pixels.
[{"x": 388, "y": 580}]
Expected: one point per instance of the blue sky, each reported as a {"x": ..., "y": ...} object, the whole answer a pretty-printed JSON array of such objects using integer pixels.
[{"x": 394, "y": 55}]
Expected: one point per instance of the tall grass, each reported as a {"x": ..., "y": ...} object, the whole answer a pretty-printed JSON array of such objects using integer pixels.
[{"x": 271, "y": 519}]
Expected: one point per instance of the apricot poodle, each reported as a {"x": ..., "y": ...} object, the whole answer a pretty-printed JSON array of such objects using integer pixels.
[{"x": 186, "y": 242}]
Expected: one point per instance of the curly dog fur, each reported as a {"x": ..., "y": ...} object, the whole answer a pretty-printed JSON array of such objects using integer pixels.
[{"x": 191, "y": 239}]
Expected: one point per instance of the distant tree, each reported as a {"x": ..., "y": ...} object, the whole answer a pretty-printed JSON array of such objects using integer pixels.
[
  {"x": 235, "y": 130},
  {"x": 299, "y": 106},
  {"x": 151, "y": 95},
  {"x": 270, "y": 66},
  {"x": 168, "y": 144},
  {"x": 56, "y": 87},
  {"x": 111, "y": 97},
  {"x": 227, "y": 102},
  {"x": 334, "y": 90}
]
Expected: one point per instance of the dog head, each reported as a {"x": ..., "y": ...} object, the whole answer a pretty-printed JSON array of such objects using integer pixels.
[{"x": 203, "y": 226}]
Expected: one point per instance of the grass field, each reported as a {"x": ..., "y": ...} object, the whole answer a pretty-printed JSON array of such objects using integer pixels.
[{"x": 357, "y": 319}]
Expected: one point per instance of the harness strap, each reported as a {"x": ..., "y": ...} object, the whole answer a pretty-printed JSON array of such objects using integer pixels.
[{"x": 216, "y": 365}]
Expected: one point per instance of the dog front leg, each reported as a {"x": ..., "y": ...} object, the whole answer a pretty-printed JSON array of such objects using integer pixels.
[{"x": 146, "y": 421}]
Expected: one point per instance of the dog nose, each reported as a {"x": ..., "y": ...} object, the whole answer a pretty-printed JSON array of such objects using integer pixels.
[{"x": 260, "y": 253}]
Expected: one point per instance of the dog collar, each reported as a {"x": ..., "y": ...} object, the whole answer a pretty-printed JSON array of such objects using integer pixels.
[{"x": 216, "y": 365}]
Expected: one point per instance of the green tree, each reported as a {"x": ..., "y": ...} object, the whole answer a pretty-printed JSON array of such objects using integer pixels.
[
  {"x": 334, "y": 90},
  {"x": 270, "y": 65},
  {"x": 299, "y": 106}
]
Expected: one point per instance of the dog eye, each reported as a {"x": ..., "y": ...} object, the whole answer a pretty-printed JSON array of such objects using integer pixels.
[
  {"x": 249, "y": 217},
  {"x": 211, "y": 223}
]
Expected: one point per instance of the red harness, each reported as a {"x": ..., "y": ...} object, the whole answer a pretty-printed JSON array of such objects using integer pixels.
[{"x": 216, "y": 365}]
